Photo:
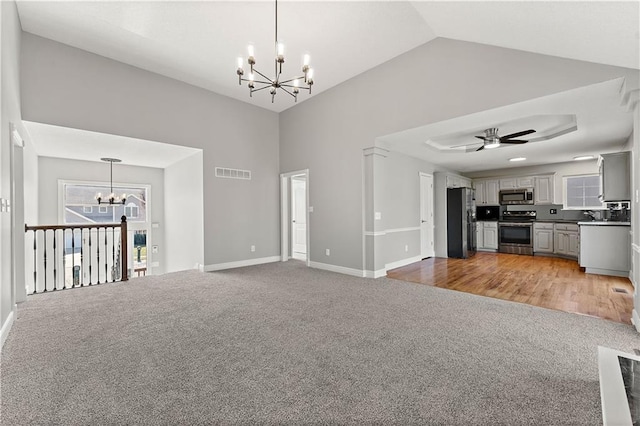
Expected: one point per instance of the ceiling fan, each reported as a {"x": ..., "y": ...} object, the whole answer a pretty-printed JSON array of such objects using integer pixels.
[{"x": 492, "y": 140}]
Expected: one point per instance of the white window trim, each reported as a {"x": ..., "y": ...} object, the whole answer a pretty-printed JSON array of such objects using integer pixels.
[{"x": 564, "y": 194}]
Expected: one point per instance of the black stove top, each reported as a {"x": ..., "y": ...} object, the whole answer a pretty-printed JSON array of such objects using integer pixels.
[{"x": 519, "y": 216}]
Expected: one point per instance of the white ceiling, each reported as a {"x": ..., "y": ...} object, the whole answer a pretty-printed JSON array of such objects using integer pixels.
[
  {"x": 64, "y": 142},
  {"x": 198, "y": 42},
  {"x": 603, "y": 125}
]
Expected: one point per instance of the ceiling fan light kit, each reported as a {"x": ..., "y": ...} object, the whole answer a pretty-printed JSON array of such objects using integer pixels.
[
  {"x": 290, "y": 86},
  {"x": 492, "y": 140}
]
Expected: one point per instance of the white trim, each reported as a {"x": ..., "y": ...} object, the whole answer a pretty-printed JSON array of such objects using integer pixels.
[
  {"x": 635, "y": 247},
  {"x": 240, "y": 263},
  {"x": 402, "y": 262},
  {"x": 4, "y": 332},
  {"x": 413, "y": 228},
  {"x": 338, "y": 269},
  {"x": 635, "y": 320},
  {"x": 374, "y": 150},
  {"x": 375, "y": 274},
  {"x": 374, "y": 233}
]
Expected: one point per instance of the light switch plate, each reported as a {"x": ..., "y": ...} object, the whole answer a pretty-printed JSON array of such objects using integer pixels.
[{"x": 378, "y": 215}]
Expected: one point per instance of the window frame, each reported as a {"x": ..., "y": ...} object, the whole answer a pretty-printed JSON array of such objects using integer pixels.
[
  {"x": 146, "y": 219},
  {"x": 565, "y": 193}
]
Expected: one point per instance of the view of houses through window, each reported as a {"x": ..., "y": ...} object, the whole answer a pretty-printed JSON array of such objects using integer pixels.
[{"x": 81, "y": 207}]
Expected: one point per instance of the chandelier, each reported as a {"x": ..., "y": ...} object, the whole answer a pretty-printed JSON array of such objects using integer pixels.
[
  {"x": 291, "y": 86},
  {"x": 113, "y": 199}
]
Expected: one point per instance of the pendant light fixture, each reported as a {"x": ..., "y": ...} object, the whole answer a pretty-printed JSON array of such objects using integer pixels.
[
  {"x": 290, "y": 86},
  {"x": 113, "y": 199}
]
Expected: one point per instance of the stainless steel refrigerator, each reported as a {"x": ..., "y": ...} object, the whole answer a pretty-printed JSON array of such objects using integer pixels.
[{"x": 461, "y": 222}]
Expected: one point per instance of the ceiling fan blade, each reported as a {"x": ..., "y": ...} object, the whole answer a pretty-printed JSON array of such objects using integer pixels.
[
  {"x": 515, "y": 135},
  {"x": 513, "y": 141},
  {"x": 480, "y": 149},
  {"x": 480, "y": 137}
]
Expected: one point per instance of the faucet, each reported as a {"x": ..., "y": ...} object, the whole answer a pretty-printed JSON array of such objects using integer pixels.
[{"x": 591, "y": 214}]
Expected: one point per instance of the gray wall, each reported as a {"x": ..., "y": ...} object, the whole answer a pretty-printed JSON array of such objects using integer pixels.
[
  {"x": 65, "y": 86},
  {"x": 50, "y": 170},
  {"x": 328, "y": 132},
  {"x": 10, "y": 39},
  {"x": 184, "y": 221}
]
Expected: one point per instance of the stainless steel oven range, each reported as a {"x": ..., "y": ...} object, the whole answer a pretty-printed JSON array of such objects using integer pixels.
[{"x": 515, "y": 232}]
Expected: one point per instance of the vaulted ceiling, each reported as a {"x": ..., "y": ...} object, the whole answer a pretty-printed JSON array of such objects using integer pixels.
[{"x": 198, "y": 43}]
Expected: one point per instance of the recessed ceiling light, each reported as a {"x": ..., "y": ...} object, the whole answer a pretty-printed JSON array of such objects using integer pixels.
[
  {"x": 584, "y": 157},
  {"x": 517, "y": 159}
]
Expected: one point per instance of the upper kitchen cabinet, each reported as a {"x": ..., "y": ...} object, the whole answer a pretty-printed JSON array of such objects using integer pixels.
[
  {"x": 615, "y": 176},
  {"x": 516, "y": 182},
  {"x": 487, "y": 192},
  {"x": 544, "y": 189},
  {"x": 457, "y": 181}
]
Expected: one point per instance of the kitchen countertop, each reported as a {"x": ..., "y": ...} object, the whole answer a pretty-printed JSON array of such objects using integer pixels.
[
  {"x": 607, "y": 223},
  {"x": 557, "y": 221}
]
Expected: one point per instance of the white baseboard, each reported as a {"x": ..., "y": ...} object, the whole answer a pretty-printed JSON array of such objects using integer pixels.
[
  {"x": 240, "y": 263},
  {"x": 4, "y": 332},
  {"x": 338, "y": 269},
  {"x": 635, "y": 320},
  {"x": 403, "y": 262},
  {"x": 375, "y": 274}
]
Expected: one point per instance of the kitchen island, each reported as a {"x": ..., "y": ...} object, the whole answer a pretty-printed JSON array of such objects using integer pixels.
[{"x": 605, "y": 247}]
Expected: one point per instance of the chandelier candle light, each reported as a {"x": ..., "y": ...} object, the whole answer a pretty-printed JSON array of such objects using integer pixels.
[
  {"x": 113, "y": 199},
  {"x": 276, "y": 83}
]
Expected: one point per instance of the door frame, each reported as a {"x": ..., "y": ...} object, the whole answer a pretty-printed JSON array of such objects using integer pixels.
[
  {"x": 285, "y": 223},
  {"x": 424, "y": 255}
]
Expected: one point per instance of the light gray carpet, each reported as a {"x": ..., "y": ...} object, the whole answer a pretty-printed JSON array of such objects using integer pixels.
[{"x": 283, "y": 344}]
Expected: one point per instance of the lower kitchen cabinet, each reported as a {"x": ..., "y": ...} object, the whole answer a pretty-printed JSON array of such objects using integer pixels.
[
  {"x": 606, "y": 248},
  {"x": 487, "y": 236},
  {"x": 543, "y": 237},
  {"x": 566, "y": 240}
]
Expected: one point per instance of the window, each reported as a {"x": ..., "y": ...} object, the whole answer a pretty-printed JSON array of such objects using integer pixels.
[
  {"x": 582, "y": 192},
  {"x": 131, "y": 211},
  {"x": 79, "y": 202}
]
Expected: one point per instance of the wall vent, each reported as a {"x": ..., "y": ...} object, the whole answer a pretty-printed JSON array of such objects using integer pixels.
[{"x": 223, "y": 172}]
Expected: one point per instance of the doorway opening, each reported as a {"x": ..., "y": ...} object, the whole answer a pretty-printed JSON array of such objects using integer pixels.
[{"x": 294, "y": 190}]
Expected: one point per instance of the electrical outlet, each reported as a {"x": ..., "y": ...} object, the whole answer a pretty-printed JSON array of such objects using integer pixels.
[
  {"x": 553, "y": 211},
  {"x": 154, "y": 249},
  {"x": 155, "y": 264},
  {"x": 327, "y": 252},
  {"x": 253, "y": 248},
  {"x": 378, "y": 215},
  {"x": 406, "y": 248}
]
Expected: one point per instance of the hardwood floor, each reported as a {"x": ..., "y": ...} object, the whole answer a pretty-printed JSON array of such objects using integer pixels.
[{"x": 540, "y": 281}]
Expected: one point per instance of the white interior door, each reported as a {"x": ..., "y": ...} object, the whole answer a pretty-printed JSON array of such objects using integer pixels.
[
  {"x": 298, "y": 218},
  {"x": 426, "y": 216}
]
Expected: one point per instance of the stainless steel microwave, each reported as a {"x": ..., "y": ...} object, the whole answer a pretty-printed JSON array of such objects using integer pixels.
[{"x": 520, "y": 196}]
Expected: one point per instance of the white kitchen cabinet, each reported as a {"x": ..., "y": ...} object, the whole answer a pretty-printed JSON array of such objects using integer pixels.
[
  {"x": 479, "y": 235},
  {"x": 491, "y": 190},
  {"x": 480, "y": 193},
  {"x": 544, "y": 189},
  {"x": 457, "y": 181},
  {"x": 487, "y": 192},
  {"x": 566, "y": 240},
  {"x": 543, "y": 237},
  {"x": 487, "y": 236},
  {"x": 509, "y": 183},
  {"x": 605, "y": 248},
  {"x": 490, "y": 235},
  {"x": 525, "y": 182}
]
